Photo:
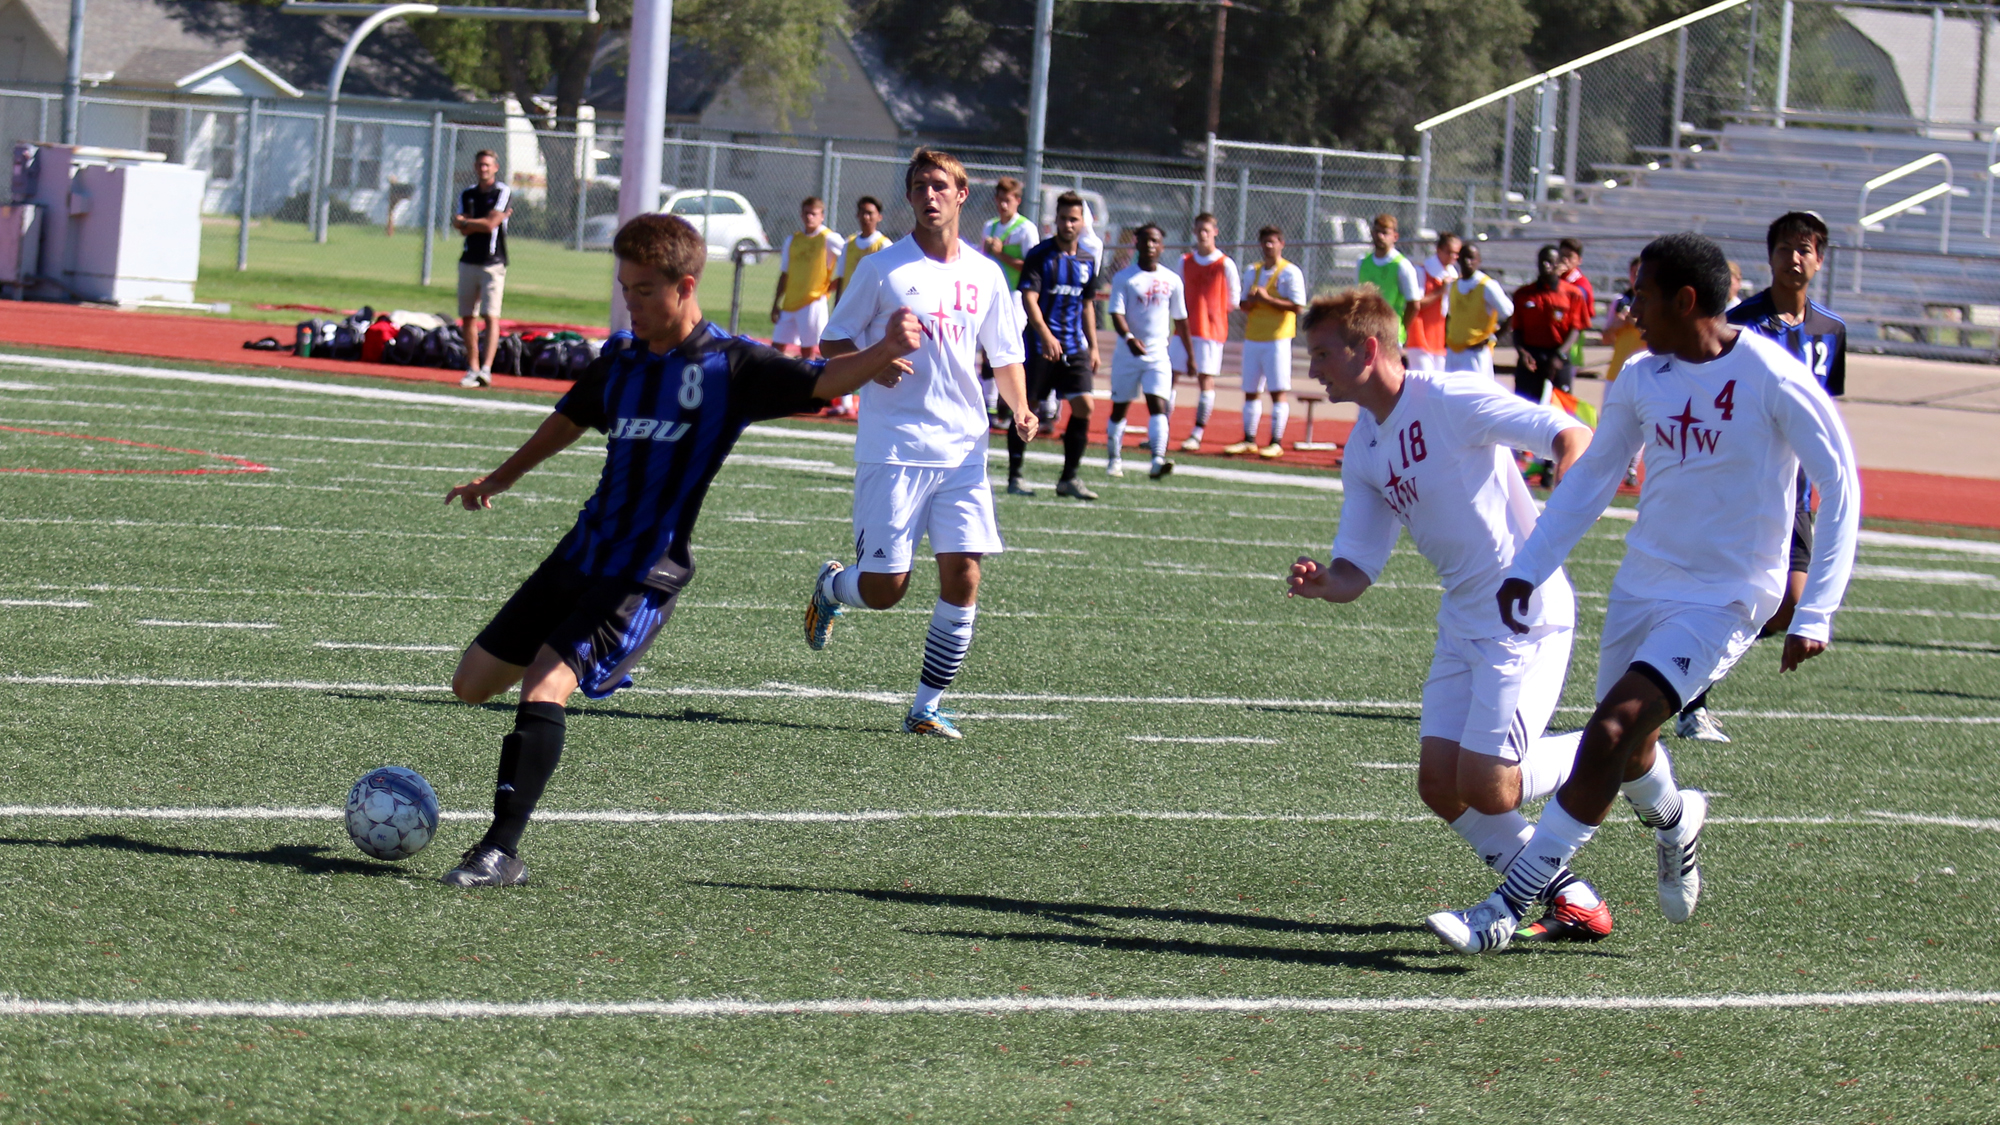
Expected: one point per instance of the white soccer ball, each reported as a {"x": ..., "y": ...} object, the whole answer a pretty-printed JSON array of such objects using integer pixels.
[{"x": 392, "y": 813}]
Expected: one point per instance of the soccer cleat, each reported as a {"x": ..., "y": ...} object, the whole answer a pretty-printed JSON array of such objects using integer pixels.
[
  {"x": 930, "y": 721},
  {"x": 484, "y": 865},
  {"x": 1700, "y": 725},
  {"x": 1191, "y": 445},
  {"x": 1272, "y": 451},
  {"x": 1486, "y": 928},
  {"x": 1566, "y": 921},
  {"x": 476, "y": 378},
  {"x": 1680, "y": 861},
  {"x": 1237, "y": 449},
  {"x": 1114, "y": 469},
  {"x": 821, "y": 610},
  {"x": 1018, "y": 487},
  {"x": 1160, "y": 468},
  {"x": 1074, "y": 487}
]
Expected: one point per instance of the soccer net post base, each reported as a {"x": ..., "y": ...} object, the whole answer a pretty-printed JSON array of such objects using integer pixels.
[{"x": 1309, "y": 445}]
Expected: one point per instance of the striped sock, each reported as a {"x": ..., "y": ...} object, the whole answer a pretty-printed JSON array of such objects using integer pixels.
[
  {"x": 1546, "y": 856},
  {"x": 944, "y": 650},
  {"x": 1656, "y": 797}
]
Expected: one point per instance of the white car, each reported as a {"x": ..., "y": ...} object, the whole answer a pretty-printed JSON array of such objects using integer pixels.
[{"x": 728, "y": 220}]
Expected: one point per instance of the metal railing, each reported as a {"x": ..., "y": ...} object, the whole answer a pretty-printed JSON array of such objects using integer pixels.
[{"x": 1863, "y": 218}]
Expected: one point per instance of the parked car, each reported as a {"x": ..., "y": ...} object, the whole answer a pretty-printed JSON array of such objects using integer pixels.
[{"x": 728, "y": 220}]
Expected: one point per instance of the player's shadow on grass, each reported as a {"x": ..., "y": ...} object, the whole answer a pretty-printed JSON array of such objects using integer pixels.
[
  {"x": 587, "y": 710},
  {"x": 1336, "y": 713},
  {"x": 1941, "y": 693},
  {"x": 307, "y": 859}
]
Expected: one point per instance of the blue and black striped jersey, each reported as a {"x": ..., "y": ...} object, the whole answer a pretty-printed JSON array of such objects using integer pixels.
[
  {"x": 1818, "y": 340},
  {"x": 1063, "y": 285},
  {"x": 669, "y": 421}
]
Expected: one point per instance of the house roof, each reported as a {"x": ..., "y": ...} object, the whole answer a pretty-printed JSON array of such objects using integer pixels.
[
  {"x": 695, "y": 76},
  {"x": 927, "y": 109}
]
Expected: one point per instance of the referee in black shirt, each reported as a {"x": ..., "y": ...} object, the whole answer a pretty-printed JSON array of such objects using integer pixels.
[{"x": 483, "y": 210}]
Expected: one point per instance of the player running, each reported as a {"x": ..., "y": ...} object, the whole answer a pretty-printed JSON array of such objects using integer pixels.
[
  {"x": 920, "y": 449},
  {"x": 1475, "y": 309},
  {"x": 1059, "y": 290},
  {"x": 1277, "y": 294},
  {"x": 1423, "y": 343},
  {"x": 1817, "y": 338},
  {"x": 671, "y": 407},
  {"x": 1433, "y": 453},
  {"x": 1212, "y": 287},
  {"x": 1727, "y": 418},
  {"x": 1392, "y": 275},
  {"x": 809, "y": 261},
  {"x": 1147, "y": 304}
]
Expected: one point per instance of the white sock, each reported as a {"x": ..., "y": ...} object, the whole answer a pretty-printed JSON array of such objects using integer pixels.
[
  {"x": 845, "y": 587},
  {"x": 989, "y": 389},
  {"x": 1156, "y": 435},
  {"x": 1281, "y": 413},
  {"x": 1656, "y": 797},
  {"x": 1204, "y": 405},
  {"x": 1496, "y": 839},
  {"x": 1548, "y": 852},
  {"x": 1547, "y": 764},
  {"x": 944, "y": 650},
  {"x": 1114, "y": 440},
  {"x": 1253, "y": 413}
]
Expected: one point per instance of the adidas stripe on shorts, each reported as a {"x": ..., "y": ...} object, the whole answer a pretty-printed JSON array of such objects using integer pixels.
[
  {"x": 1494, "y": 695},
  {"x": 895, "y": 506}
]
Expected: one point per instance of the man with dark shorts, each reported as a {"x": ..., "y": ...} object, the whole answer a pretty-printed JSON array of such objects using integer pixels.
[
  {"x": 671, "y": 405},
  {"x": 1059, "y": 293},
  {"x": 1549, "y": 315}
]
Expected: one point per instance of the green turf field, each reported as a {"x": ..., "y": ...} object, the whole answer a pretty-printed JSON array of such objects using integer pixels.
[
  {"x": 357, "y": 266},
  {"x": 1175, "y": 871}
]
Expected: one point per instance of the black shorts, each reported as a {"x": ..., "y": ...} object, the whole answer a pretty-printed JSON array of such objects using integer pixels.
[
  {"x": 1068, "y": 377},
  {"x": 1551, "y": 366},
  {"x": 1802, "y": 539},
  {"x": 599, "y": 626}
]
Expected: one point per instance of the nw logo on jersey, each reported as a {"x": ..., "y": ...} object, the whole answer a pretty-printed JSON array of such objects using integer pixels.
[
  {"x": 1400, "y": 491},
  {"x": 1689, "y": 437},
  {"x": 642, "y": 429}
]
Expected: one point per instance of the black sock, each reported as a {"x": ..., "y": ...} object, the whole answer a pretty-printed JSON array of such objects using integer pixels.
[
  {"x": 1699, "y": 702},
  {"x": 528, "y": 759},
  {"x": 1076, "y": 436},
  {"x": 1016, "y": 449}
]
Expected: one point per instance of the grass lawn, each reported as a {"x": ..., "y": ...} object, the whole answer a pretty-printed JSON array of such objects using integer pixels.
[
  {"x": 1175, "y": 871},
  {"x": 546, "y": 281}
]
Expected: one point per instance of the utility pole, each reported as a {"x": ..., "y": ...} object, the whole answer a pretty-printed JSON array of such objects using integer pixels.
[
  {"x": 73, "y": 75},
  {"x": 1038, "y": 106},
  {"x": 1215, "y": 67}
]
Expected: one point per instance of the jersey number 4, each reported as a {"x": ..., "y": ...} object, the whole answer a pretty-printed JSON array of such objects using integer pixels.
[{"x": 1726, "y": 401}]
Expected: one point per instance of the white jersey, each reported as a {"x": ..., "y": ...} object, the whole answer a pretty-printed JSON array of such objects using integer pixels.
[
  {"x": 1436, "y": 269},
  {"x": 936, "y": 415},
  {"x": 1724, "y": 441},
  {"x": 1442, "y": 465},
  {"x": 1150, "y": 300},
  {"x": 1287, "y": 283}
]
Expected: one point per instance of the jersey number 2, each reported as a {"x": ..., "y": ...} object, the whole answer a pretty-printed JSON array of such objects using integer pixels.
[{"x": 1411, "y": 441}]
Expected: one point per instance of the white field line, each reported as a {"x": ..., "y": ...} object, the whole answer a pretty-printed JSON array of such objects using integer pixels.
[
  {"x": 799, "y": 691},
  {"x": 1387, "y": 765},
  {"x": 1214, "y": 741},
  {"x": 296, "y": 386},
  {"x": 24, "y": 387},
  {"x": 1960, "y": 614},
  {"x": 967, "y": 1006},
  {"x": 385, "y": 648},
  {"x": 1010, "y": 717},
  {"x": 1864, "y": 572},
  {"x": 67, "y": 521},
  {"x": 44, "y": 602},
  {"x": 203, "y": 624},
  {"x": 394, "y": 595}
]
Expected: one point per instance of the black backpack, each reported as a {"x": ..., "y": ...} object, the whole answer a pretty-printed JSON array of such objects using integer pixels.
[
  {"x": 404, "y": 348},
  {"x": 507, "y": 356},
  {"x": 346, "y": 341},
  {"x": 577, "y": 355},
  {"x": 548, "y": 360},
  {"x": 430, "y": 347}
]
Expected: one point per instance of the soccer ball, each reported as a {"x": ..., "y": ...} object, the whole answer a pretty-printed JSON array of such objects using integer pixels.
[{"x": 392, "y": 813}]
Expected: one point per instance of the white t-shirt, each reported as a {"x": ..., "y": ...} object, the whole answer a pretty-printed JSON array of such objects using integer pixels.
[
  {"x": 1406, "y": 277},
  {"x": 1438, "y": 270},
  {"x": 1724, "y": 441},
  {"x": 1442, "y": 465},
  {"x": 1496, "y": 297},
  {"x": 1289, "y": 283},
  {"x": 1150, "y": 300},
  {"x": 936, "y": 415}
]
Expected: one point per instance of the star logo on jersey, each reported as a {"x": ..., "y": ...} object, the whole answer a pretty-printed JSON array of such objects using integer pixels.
[
  {"x": 1400, "y": 491},
  {"x": 1689, "y": 436}
]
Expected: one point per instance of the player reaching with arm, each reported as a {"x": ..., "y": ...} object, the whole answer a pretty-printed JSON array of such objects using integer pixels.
[
  {"x": 1727, "y": 417},
  {"x": 807, "y": 267},
  {"x": 920, "y": 450},
  {"x": 1796, "y": 242},
  {"x": 1059, "y": 293},
  {"x": 1277, "y": 295},
  {"x": 1433, "y": 454},
  {"x": 671, "y": 408},
  {"x": 1147, "y": 304},
  {"x": 1213, "y": 289}
]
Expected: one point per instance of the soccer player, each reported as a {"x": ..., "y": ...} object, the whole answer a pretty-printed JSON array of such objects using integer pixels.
[
  {"x": 1817, "y": 338},
  {"x": 1059, "y": 290},
  {"x": 1271, "y": 307},
  {"x": 1548, "y": 320},
  {"x": 1433, "y": 453},
  {"x": 483, "y": 211},
  {"x": 1392, "y": 275},
  {"x": 1727, "y": 417},
  {"x": 1621, "y": 332},
  {"x": 671, "y": 407},
  {"x": 1423, "y": 344},
  {"x": 868, "y": 214},
  {"x": 1147, "y": 304},
  {"x": 920, "y": 449},
  {"x": 1475, "y": 309},
  {"x": 1006, "y": 238},
  {"x": 810, "y": 262},
  {"x": 1212, "y": 287},
  {"x": 1572, "y": 271}
]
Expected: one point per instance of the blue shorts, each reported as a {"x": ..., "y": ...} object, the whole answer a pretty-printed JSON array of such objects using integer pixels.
[{"x": 600, "y": 627}]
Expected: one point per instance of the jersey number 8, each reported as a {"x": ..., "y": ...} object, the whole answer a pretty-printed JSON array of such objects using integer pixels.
[{"x": 690, "y": 395}]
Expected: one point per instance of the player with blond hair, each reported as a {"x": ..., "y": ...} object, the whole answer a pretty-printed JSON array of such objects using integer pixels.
[{"x": 1213, "y": 287}]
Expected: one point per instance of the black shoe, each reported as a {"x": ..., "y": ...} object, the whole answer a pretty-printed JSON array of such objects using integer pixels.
[
  {"x": 1017, "y": 487},
  {"x": 484, "y": 865}
]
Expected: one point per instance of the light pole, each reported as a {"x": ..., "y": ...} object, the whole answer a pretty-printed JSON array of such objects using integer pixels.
[
  {"x": 645, "y": 125},
  {"x": 73, "y": 75}
]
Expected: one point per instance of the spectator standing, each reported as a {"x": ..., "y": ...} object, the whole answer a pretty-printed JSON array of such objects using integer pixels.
[
  {"x": 1275, "y": 294},
  {"x": 810, "y": 262},
  {"x": 1549, "y": 315},
  {"x": 483, "y": 210},
  {"x": 1475, "y": 308},
  {"x": 1392, "y": 275},
  {"x": 1424, "y": 348},
  {"x": 1213, "y": 288}
]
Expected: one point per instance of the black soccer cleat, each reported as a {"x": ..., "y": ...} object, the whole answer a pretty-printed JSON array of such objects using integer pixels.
[{"x": 484, "y": 865}]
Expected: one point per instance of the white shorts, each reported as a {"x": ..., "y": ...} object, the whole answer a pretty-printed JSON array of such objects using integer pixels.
[
  {"x": 1207, "y": 355},
  {"x": 1690, "y": 646},
  {"x": 1267, "y": 366},
  {"x": 1472, "y": 361},
  {"x": 1494, "y": 695},
  {"x": 1417, "y": 360},
  {"x": 1132, "y": 376},
  {"x": 896, "y": 505},
  {"x": 802, "y": 327}
]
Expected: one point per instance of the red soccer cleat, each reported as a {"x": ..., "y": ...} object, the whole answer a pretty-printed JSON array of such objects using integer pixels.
[{"x": 1566, "y": 921}]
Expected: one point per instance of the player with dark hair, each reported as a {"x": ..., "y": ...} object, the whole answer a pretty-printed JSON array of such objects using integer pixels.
[
  {"x": 1548, "y": 319},
  {"x": 1796, "y": 243},
  {"x": 1148, "y": 305},
  {"x": 671, "y": 406},
  {"x": 1274, "y": 296},
  {"x": 1059, "y": 289},
  {"x": 1571, "y": 250},
  {"x": 1727, "y": 418}
]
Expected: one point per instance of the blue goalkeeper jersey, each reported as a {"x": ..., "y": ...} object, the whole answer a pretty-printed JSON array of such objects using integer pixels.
[
  {"x": 1064, "y": 285},
  {"x": 1818, "y": 340}
]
